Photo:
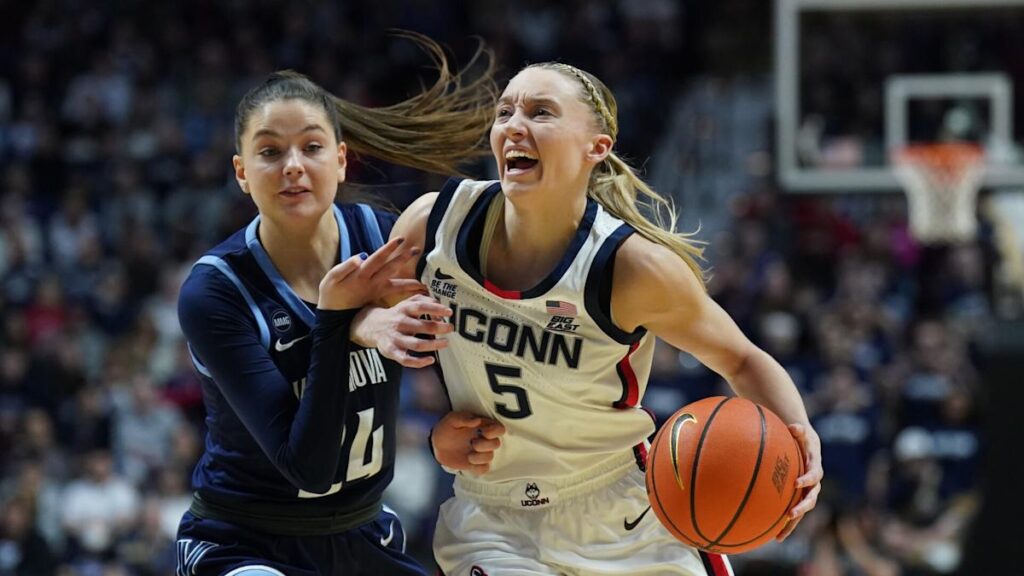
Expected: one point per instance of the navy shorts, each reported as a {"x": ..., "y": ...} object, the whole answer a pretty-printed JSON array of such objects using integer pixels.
[{"x": 216, "y": 548}]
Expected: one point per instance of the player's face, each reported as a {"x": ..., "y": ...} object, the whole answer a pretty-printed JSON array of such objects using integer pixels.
[
  {"x": 290, "y": 161},
  {"x": 544, "y": 136}
]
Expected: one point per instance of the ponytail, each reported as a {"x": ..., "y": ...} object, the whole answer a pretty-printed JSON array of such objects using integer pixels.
[
  {"x": 435, "y": 130},
  {"x": 615, "y": 185}
]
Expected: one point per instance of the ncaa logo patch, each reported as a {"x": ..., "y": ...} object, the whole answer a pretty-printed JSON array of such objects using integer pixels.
[
  {"x": 477, "y": 571},
  {"x": 282, "y": 321}
]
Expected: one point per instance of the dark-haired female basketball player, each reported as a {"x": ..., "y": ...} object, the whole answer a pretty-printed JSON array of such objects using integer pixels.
[{"x": 301, "y": 404}]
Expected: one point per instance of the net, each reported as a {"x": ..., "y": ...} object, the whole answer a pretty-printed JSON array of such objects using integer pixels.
[{"x": 941, "y": 181}]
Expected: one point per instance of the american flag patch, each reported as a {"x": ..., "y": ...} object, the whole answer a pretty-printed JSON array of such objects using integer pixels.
[{"x": 559, "y": 308}]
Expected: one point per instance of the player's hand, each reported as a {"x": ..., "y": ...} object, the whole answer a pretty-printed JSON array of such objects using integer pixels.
[
  {"x": 810, "y": 481},
  {"x": 397, "y": 331},
  {"x": 464, "y": 441},
  {"x": 363, "y": 279}
]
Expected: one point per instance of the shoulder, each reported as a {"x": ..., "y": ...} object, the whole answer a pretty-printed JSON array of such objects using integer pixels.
[
  {"x": 207, "y": 293},
  {"x": 649, "y": 280},
  {"x": 412, "y": 224},
  {"x": 358, "y": 211},
  {"x": 369, "y": 223}
]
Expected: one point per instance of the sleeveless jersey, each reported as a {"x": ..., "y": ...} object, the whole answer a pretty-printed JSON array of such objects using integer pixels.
[{"x": 547, "y": 362}]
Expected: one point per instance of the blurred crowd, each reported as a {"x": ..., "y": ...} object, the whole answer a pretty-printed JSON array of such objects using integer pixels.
[{"x": 115, "y": 147}]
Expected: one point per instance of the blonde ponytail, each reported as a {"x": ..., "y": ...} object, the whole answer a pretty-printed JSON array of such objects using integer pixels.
[
  {"x": 436, "y": 129},
  {"x": 615, "y": 185}
]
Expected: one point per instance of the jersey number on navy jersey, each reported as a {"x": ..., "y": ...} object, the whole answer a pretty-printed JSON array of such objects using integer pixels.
[
  {"x": 358, "y": 467},
  {"x": 521, "y": 406}
]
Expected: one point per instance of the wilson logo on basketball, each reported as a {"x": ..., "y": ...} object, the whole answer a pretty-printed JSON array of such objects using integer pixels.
[
  {"x": 780, "y": 473},
  {"x": 533, "y": 493}
]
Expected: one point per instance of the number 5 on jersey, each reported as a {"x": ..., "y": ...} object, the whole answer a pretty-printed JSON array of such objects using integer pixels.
[{"x": 516, "y": 407}]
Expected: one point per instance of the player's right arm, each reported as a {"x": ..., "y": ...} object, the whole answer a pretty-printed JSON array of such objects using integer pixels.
[
  {"x": 303, "y": 444},
  {"x": 395, "y": 324}
]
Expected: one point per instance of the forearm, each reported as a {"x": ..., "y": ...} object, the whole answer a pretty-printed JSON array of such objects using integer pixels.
[
  {"x": 311, "y": 452},
  {"x": 763, "y": 380}
]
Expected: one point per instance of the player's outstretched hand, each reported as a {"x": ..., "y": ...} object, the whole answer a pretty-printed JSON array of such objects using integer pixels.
[
  {"x": 365, "y": 278},
  {"x": 400, "y": 332},
  {"x": 810, "y": 481},
  {"x": 465, "y": 441}
]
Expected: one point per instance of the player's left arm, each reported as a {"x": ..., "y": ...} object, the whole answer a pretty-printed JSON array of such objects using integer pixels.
[{"x": 654, "y": 288}]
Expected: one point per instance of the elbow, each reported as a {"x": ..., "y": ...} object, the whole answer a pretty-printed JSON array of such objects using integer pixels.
[
  {"x": 318, "y": 488},
  {"x": 314, "y": 482},
  {"x": 312, "y": 477}
]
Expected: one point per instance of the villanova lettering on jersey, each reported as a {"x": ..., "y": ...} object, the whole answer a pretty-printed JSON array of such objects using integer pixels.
[{"x": 365, "y": 367}]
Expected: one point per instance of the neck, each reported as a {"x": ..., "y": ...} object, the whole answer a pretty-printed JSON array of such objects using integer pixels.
[
  {"x": 530, "y": 239},
  {"x": 302, "y": 254}
]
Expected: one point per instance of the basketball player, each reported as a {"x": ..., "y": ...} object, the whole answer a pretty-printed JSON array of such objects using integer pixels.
[
  {"x": 558, "y": 286},
  {"x": 301, "y": 415}
]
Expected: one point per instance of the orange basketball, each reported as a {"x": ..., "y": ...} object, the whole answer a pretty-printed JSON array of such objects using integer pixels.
[{"x": 722, "y": 474}]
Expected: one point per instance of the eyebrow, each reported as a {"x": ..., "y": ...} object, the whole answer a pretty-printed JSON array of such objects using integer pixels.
[
  {"x": 542, "y": 100},
  {"x": 269, "y": 132}
]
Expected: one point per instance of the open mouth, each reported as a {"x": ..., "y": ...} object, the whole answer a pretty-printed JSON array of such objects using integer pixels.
[
  {"x": 517, "y": 161},
  {"x": 294, "y": 192}
]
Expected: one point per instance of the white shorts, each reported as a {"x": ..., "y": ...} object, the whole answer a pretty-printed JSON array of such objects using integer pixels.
[{"x": 595, "y": 532}]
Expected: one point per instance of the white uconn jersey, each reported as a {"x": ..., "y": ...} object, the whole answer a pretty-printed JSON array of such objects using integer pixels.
[{"x": 547, "y": 362}]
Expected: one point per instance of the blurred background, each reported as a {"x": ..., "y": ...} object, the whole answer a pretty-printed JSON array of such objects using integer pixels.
[{"x": 772, "y": 125}]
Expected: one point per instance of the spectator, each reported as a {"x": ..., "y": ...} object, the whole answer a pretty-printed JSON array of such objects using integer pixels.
[{"x": 99, "y": 508}]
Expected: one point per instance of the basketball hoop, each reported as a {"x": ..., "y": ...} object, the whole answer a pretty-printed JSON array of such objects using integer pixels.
[{"x": 941, "y": 181}]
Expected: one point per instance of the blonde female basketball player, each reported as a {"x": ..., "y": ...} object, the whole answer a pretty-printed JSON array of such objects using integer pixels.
[{"x": 558, "y": 286}]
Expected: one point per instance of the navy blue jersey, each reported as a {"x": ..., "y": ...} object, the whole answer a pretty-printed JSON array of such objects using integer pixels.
[{"x": 300, "y": 420}]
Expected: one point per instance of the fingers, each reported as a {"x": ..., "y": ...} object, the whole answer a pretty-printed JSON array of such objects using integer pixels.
[
  {"x": 423, "y": 305},
  {"x": 405, "y": 343},
  {"x": 388, "y": 260},
  {"x": 381, "y": 256},
  {"x": 410, "y": 361},
  {"x": 491, "y": 429},
  {"x": 487, "y": 445},
  {"x": 813, "y": 472},
  {"x": 477, "y": 458},
  {"x": 479, "y": 470},
  {"x": 462, "y": 420},
  {"x": 809, "y": 501},
  {"x": 787, "y": 530},
  {"x": 402, "y": 286},
  {"x": 342, "y": 270}
]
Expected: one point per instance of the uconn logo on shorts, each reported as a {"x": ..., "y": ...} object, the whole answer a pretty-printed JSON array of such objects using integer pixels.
[
  {"x": 477, "y": 571},
  {"x": 533, "y": 496}
]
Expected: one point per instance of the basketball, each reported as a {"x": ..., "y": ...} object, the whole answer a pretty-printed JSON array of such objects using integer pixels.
[{"x": 722, "y": 474}]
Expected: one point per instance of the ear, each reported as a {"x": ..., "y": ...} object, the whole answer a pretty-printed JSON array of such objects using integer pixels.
[
  {"x": 342, "y": 161},
  {"x": 600, "y": 148},
  {"x": 236, "y": 161}
]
